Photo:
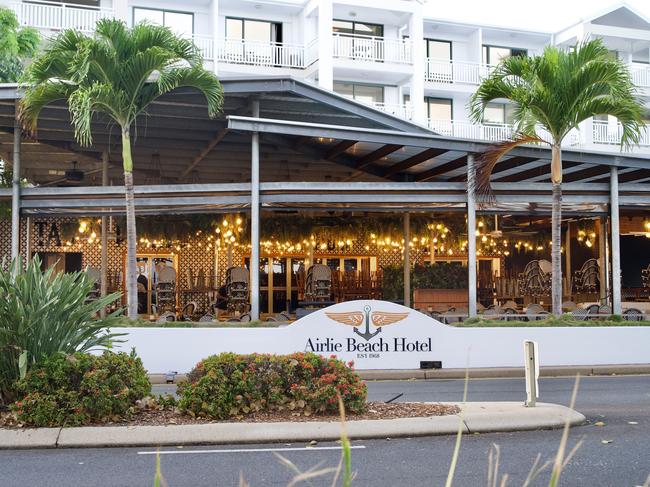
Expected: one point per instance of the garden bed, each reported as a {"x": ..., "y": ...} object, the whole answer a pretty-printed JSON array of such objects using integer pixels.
[
  {"x": 561, "y": 321},
  {"x": 158, "y": 416}
]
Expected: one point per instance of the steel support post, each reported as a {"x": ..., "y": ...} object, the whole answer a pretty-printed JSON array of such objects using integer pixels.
[
  {"x": 471, "y": 236},
  {"x": 616, "y": 242},
  {"x": 255, "y": 217}
]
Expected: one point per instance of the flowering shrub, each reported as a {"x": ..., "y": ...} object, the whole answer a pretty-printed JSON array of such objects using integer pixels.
[
  {"x": 80, "y": 389},
  {"x": 227, "y": 385}
]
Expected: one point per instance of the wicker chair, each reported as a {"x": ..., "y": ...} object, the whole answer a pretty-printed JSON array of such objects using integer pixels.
[
  {"x": 587, "y": 279},
  {"x": 318, "y": 285},
  {"x": 237, "y": 289}
]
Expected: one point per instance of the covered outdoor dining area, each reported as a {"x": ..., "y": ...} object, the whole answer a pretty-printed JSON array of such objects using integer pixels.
[{"x": 264, "y": 214}]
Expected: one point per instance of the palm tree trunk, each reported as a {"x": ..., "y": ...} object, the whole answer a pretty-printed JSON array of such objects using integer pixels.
[
  {"x": 556, "y": 232},
  {"x": 131, "y": 268}
]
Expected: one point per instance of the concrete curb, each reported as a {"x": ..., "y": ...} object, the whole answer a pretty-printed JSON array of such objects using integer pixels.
[
  {"x": 479, "y": 417},
  {"x": 482, "y": 373}
]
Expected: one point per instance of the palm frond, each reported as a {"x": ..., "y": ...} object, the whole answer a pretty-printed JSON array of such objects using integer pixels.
[
  {"x": 37, "y": 98},
  {"x": 484, "y": 165}
]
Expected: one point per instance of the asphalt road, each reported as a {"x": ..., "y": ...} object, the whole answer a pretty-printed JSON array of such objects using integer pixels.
[{"x": 622, "y": 403}]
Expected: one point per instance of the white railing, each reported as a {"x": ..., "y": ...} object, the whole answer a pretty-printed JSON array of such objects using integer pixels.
[
  {"x": 254, "y": 53},
  {"x": 311, "y": 52},
  {"x": 403, "y": 111},
  {"x": 640, "y": 74},
  {"x": 205, "y": 45},
  {"x": 491, "y": 132},
  {"x": 370, "y": 48},
  {"x": 446, "y": 71},
  {"x": 611, "y": 133},
  {"x": 57, "y": 16}
]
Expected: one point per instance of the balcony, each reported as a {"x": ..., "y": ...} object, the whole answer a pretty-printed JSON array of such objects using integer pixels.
[
  {"x": 397, "y": 109},
  {"x": 640, "y": 74},
  {"x": 610, "y": 134},
  {"x": 490, "y": 132},
  {"x": 263, "y": 54},
  {"x": 369, "y": 48},
  {"x": 446, "y": 71},
  {"x": 58, "y": 16}
]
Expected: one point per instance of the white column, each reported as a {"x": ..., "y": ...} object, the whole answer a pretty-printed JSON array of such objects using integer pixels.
[
  {"x": 121, "y": 10},
  {"x": 407, "y": 260},
  {"x": 103, "y": 283},
  {"x": 416, "y": 37},
  {"x": 471, "y": 236},
  {"x": 217, "y": 33},
  {"x": 15, "y": 194},
  {"x": 616, "y": 242},
  {"x": 325, "y": 45},
  {"x": 255, "y": 217}
]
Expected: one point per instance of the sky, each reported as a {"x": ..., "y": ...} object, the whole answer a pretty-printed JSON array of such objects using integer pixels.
[{"x": 540, "y": 15}]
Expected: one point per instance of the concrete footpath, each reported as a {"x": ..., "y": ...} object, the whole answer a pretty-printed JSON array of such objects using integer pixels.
[
  {"x": 482, "y": 373},
  {"x": 475, "y": 417}
]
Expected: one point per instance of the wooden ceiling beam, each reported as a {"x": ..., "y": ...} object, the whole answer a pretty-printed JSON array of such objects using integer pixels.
[{"x": 413, "y": 161}]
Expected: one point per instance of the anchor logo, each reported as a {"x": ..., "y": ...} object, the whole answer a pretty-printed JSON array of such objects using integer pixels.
[{"x": 356, "y": 318}]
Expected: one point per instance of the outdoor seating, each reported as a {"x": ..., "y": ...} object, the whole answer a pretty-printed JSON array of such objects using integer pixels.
[
  {"x": 645, "y": 277},
  {"x": 632, "y": 314},
  {"x": 536, "y": 312},
  {"x": 568, "y": 306},
  {"x": 587, "y": 279},
  {"x": 237, "y": 289},
  {"x": 318, "y": 285},
  {"x": 188, "y": 311},
  {"x": 536, "y": 279}
]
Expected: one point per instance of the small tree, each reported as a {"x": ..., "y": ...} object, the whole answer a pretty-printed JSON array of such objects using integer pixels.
[
  {"x": 556, "y": 91},
  {"x": 16, "y": 44},
  {"x": 117, "y": 72}
]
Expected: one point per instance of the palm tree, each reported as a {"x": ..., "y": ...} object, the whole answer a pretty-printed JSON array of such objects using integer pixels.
[
  {"x": 552, "y": 94},
  {"x": 117, "y": 72}
]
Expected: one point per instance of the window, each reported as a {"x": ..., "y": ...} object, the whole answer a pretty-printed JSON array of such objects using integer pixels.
[
  {"x": 369, "y": 94},
  {"x": 498, "y": 113},
  {"x": 492, "y": 55},
  {"x": 181, "y": 23},
  {"x": 440, "y": 50},
  {"x": 439, "y": 108},
  {"x": 357, "y": 28},
  {"x": 253, "y": 30}
]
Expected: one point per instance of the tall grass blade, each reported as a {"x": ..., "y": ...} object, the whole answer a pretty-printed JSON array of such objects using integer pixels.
[
  {"x": 459, "y": 435},
  {"x": 559, "y": 463}
]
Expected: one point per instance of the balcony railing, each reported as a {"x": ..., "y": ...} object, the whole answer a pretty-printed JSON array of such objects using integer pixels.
[
  {"x": 446, "y": 71},
  {"x": 370, "y": 48},
  {"x": 254, "y": 53},
  {"x": 399, "y": 110},
  {"x": 205, "y": 45},
  {"x": 57, "y": 16},
  {"x": 611, "y": 133},
  {"x": 640, "y": 74},
  {"x": 491, "y": 132}
]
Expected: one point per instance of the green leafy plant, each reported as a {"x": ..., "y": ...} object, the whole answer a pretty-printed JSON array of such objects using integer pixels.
[
  {"x": 117, "y": 72},
  {"x": 230, "y": 385},
  {"x": 440, "y": 275},
  {"x": 45, "y": 313},
  {"x": 78, "y": 389},
  {"x": 16, "y": 44}
]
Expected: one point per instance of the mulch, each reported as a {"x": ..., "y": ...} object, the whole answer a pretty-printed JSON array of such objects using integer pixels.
[{"x": 171, "y": 416}]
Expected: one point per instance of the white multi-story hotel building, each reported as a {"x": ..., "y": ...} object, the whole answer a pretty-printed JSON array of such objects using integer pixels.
[{"x": 386, "y": 54}]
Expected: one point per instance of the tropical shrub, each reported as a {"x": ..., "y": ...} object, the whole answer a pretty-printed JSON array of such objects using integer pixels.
[
  {"x": 78, "y": 389},
  {"x": 44, "y": 313},
  {"x": 227, "y": 385}
]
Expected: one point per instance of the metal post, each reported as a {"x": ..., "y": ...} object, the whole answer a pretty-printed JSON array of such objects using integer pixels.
[
  {"x": 255, "y": 217},
  {"x": 602, "y": 258},
  {"x": 616, "y": 242},
  {"x": 407, "y": 260},
  {"x": 567, "y": 256},
  {"x": 103, "y": 284},
  {"x": 531, "y": 368},
  {"x": 15, "y": 194},
  {"x": 471, "y": 236}
]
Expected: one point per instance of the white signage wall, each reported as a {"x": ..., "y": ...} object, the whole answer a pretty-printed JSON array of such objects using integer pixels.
[{"x": 384, "y": 335}]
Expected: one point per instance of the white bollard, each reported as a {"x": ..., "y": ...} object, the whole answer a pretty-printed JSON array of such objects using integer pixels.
[{"x": 531, "y": 366}]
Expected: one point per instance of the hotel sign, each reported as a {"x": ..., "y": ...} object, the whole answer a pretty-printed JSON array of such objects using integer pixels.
[{"x": 374, "y": 334}]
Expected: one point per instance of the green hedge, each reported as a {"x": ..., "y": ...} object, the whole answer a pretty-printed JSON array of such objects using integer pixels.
[
  {"x": 81, "y": 389},
  {"x": 563, "y": 320},
  {"x": 440, "y": 275},
  {"x": 230, "y": 385}
]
